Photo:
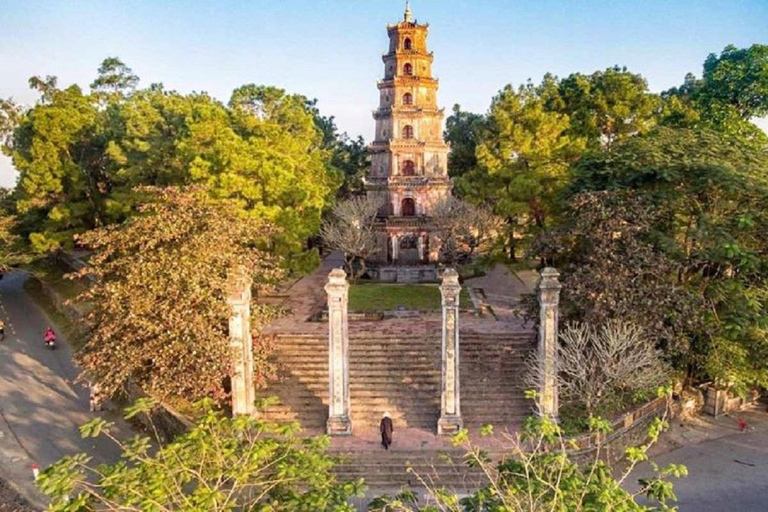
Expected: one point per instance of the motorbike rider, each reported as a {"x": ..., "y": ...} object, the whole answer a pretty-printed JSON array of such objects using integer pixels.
[{"x": 49, "y": 337}]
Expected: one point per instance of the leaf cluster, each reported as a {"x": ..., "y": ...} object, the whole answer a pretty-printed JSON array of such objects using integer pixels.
[
  {"x": 81, "y": 155},
  {"x": 220, "y": 464},
  {"x": 538, "y": 473},
  {"x": 159, "y": 316}
]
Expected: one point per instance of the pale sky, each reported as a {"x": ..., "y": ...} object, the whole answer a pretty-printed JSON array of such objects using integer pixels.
[{"x": 331, "y": 49}]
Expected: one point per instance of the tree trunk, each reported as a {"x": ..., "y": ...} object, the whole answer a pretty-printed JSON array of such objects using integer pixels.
[{"x": 511, "y": 243}]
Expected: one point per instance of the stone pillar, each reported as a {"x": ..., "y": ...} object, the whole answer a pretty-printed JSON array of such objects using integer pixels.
[
  {"x": 549, "y": 298},
  {"x": 420, "y": 245},
  {"x": 337, "y": 288},
  {"x": 395, "y": 247},
  {"x": 450, "y": 420},
  {"x": 240, "y": 341}
]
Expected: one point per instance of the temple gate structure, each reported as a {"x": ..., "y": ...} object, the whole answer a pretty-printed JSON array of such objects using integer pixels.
[{"x": 409, "y": 159}]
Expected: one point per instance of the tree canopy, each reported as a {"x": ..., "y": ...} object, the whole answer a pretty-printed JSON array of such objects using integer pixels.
[
  {"x": 708, "y": 194},
  {"x": 221, "y": 464},
  {"x": 80, "y": 155},
  {"x": 159, "y": 316}
]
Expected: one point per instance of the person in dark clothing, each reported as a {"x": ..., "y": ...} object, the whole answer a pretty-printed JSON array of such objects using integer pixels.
[{"x": 386, "y": 429}]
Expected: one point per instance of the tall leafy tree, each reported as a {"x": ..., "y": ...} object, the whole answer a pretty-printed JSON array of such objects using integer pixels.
[
  {"x": 523, "y": 157},
  {"x": 605, "y": 107},
  {"x": 80, "y": 156},
  {"x": 58, "y": 147},
  {"x": 732, "y": 91},
  {"x": 115, "y": 78},
  {"x": 463, "y": 131},
  {"x": 11, "y": 246},
  {"x": 159, "y": 316},
  {"x": 709, "y": 195}
]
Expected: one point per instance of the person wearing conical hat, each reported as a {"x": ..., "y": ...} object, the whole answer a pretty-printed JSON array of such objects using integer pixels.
[{"x": 386, "y": 429}]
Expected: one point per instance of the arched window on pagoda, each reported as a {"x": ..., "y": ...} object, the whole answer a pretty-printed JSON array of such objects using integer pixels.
[
  {"x": 408, "y": 168},
  {"x": 408, "y": 207},
  {"x": 407, "y": 131},
  {"x": 407, "y": 99},
  {"x": 407, "y": 43},
  {"x": 408, "y": 69}
]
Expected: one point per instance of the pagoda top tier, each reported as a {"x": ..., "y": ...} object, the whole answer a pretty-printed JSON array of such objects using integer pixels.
[{"x": 408, "y": 21}]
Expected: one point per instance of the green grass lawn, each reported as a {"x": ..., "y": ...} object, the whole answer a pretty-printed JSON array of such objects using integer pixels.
[{"x": 388, "y": 297}]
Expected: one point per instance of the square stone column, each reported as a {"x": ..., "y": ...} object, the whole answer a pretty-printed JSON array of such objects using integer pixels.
[
  {"x": 549, "y": 299},
  {"x": 241, "y": 342},
  {"x": 337, "y": 288},
  {"x": 450, "y": 420}
]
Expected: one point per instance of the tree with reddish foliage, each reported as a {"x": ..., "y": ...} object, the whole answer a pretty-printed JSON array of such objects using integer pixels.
[{"x": 159, "y": 316}]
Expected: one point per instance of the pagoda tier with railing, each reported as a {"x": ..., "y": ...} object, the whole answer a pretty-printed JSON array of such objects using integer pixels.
[{"x": 409, "y": 158}]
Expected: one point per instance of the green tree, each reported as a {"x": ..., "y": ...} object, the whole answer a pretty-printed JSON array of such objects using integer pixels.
[
  {"x": 705, "y": 196},
  {"x": 80, "y": 156},
  {"x": 537, "y": 473},
  {"x": 58, "y": 148},
  {"x": 159, "y": 315},
  {"x": 287, "y": 176},
  {"x": 732, "y": 91},
  {"x": 605, "y": 107},
  {"x": 349, "y": 157},
  {"x": 11, "y": 247},
  {"x": 523, "y": 157},
  {"x": 221, "y": 464},
  {"x": 612, "y": 270},
  {"x": 115, "y": 78},
  {"x": 463, "y": 131}
]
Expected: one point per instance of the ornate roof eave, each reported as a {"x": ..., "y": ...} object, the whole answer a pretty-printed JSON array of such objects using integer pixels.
[
  {"x": 408, "y": 53},
  {"x": 405, "y": 79},
  {"x": 392, "y": 27},
  {"x": 384, "y": 112}
]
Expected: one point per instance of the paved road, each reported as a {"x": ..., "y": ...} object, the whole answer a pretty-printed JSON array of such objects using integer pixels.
[
  {"x": 40, "y": 406},
  {"x": 729, "y": 473}
]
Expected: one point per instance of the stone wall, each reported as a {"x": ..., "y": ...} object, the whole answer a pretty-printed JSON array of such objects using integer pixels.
[
  {"x": 167, "y": 422},
  {"x": 629, "y": 429},
  {"x": 70, "y": 312},
  {"x": 720, "y": 401}
]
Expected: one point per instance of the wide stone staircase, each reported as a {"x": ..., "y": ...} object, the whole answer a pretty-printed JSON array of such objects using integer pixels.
[{"x": 401, "y": 375}]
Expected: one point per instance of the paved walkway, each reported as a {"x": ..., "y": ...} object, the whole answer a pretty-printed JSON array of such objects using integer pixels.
[
  {"x": 502, "y": 290},
  {"x": 41, "y": 408},
  {"x": 307, "y": 297}
]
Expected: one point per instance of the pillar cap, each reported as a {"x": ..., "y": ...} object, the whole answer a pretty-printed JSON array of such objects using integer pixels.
[
  {"x": 238, "y": 285},
  {"x": 450, "y": 276},
  {"x": 548, "y": 280},
  {"x": 337, "y": 278}
]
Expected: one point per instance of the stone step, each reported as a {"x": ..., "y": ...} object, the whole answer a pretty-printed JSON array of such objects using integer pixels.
[
  {"x": 413, "y": 345},
  {"x": 378, "y": 353},
  {"x": 415, "y": 338},
  {"x": 513, "y": 387},
  {"x": 423, "y": 345}
]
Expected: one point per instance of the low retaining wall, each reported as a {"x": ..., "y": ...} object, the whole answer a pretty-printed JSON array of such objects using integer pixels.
[
  {"x": 720, "y": 401},
  {"x": 167, "y": 422},
  {"x": 630, "y": 429},
  {"x": 60, "y": 303}
]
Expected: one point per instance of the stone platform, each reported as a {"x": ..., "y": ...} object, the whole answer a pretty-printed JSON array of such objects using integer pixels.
[{"x": 395, "y": 366}]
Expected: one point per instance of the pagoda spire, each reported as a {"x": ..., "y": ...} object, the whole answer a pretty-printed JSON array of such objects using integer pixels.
[{"x": 408, "y": 18}]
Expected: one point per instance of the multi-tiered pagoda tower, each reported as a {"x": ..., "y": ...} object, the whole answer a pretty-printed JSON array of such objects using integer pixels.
[{"x": 409, "y": 158}]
